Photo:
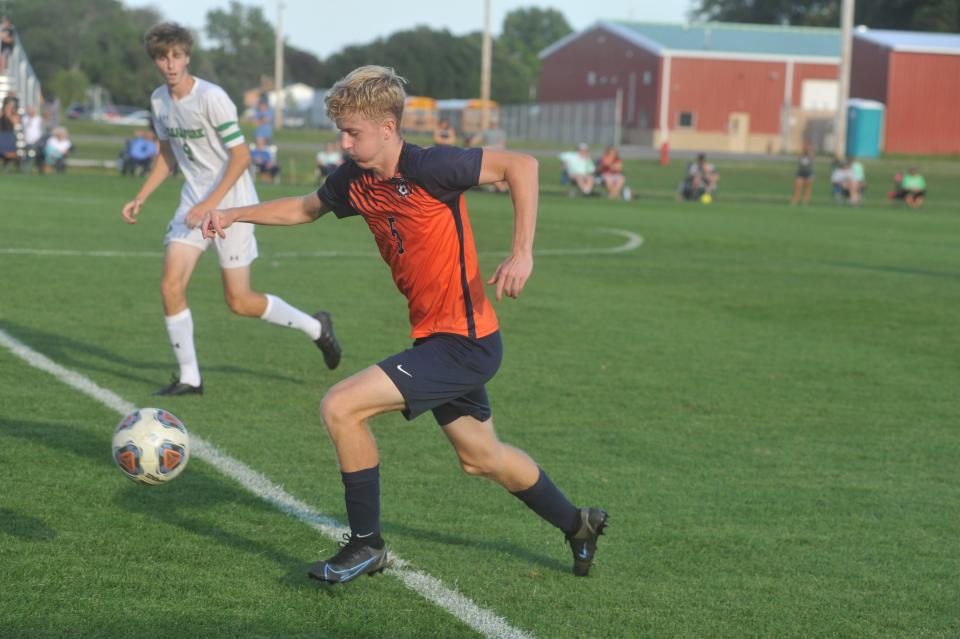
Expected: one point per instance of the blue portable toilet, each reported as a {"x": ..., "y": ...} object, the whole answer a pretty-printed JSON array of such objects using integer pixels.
[{"x": 864, "y": 128}]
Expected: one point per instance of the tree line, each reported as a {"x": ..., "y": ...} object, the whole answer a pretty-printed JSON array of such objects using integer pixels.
[{"x": 73, "y": 44}]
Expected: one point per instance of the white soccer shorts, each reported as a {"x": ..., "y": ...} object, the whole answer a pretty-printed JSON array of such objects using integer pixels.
[{"x": 239, "y": 249}]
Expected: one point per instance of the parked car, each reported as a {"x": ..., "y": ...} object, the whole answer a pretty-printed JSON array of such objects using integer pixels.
[{"x": 77, "y": 111}]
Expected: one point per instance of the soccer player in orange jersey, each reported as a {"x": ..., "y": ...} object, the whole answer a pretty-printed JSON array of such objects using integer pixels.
[{"x": 412, "y": 200}]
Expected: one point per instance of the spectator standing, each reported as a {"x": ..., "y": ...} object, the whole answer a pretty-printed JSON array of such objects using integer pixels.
[
  {"x": 263, "y": 120},
  {"x": 803, "y": 182},
  {"x": 444, "y": 134},
  {"x": 858, "y": 177},
  {"x": 8, "y": 40},
  {"x": 33, "y": 138},
  {"x": 57, "y": 149}
]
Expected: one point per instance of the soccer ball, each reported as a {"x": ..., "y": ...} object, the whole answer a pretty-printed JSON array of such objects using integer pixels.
[
  {"x": 706, "y": 198},
  {"x": 151, "y": 446}
]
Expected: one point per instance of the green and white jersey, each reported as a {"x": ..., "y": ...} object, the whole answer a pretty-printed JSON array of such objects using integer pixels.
[{"x": 201, "y": 128}]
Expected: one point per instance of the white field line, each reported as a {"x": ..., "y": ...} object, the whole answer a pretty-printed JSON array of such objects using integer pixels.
[
  {"x": 483, "y": 621},
  {"x": 632, "y": 242}
]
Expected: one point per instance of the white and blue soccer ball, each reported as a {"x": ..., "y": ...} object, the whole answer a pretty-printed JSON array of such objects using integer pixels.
[{"x": 151, "y": 446}]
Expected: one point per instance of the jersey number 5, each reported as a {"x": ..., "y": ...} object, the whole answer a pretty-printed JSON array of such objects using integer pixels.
[{"x": 394, "y": 232}]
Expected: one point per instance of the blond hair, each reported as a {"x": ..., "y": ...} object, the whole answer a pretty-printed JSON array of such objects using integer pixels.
[
  {"x": 162, "y": 37},
  {"x": 372, "y": 92}
]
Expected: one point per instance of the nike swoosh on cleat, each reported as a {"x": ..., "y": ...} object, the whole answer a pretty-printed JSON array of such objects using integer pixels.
[
  {"x": 584, "y": 553},
  {"x": 348, "y": 573}
]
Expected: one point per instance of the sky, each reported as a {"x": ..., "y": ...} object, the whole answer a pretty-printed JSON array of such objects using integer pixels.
[{"x": 323, "y": 27}]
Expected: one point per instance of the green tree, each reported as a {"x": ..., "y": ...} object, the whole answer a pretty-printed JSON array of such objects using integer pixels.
[
  {"x": 99, "y": 38},
  {"x": 919, "y": 15},
  {"x": 70, "y": 85},
  {"x": 526, "y": 32}
]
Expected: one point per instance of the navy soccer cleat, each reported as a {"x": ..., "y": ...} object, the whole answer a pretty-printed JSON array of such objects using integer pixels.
[
  {"x": 583, "y": 542},
  {"x": 177, "y": 388},
  {"x": 355, "y": 558},
  {"x": 327, "y": 342}
]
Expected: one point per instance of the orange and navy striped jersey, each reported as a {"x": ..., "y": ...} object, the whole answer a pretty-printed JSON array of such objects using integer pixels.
[{"x": 419, "y": 220}]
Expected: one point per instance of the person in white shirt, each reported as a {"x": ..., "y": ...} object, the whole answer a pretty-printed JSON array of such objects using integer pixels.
[
  {"x": 196, "y": 124},
  {"x": 579, "y": 168},
  {"x": 57, "y": 149},
  {"x": 32, "y": 137}
]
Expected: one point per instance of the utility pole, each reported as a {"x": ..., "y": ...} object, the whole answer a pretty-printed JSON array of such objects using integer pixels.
[
  {"x": 485, "y": 70},
  {"x": 843, "y": 88},
  {"x": 278, "y": 70}
]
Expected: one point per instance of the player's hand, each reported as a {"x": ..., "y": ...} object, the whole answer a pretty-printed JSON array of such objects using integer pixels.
[
  {"x": 131, "y": 210},
  {"x": 196, "y": 214},
  {"x": 214, "y": 223},
  {"x": 512, "y": 274}
]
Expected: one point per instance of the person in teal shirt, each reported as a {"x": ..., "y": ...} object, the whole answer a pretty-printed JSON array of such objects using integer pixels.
[{"x": 913, "y": 188}]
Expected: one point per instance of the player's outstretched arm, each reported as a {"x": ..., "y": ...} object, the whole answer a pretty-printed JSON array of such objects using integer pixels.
[
  {"x": 159, "y": 172},
  {"x": 237, "y": 164},
  {"x": 286, "y": 211},
  {"x": 522, "y": 173}
]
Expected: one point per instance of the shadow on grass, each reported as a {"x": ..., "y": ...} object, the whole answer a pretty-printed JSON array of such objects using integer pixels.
[
  {"x": 66, "y": 351},
  {"x": 503, "y": 547},
  {"x": 25, "y": 527},
  {"x": 189, "y": 503}
]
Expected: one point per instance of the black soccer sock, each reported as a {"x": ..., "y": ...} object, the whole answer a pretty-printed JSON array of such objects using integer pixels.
[
  {"x": 361, "y": 491},
  {"x": 545, "y": 499}
]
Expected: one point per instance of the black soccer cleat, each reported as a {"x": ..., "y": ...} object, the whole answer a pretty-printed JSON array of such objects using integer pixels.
[
  {"x": 355, "y": 558},
  {"x": 177, "y": 388},
  {"x": 327, "y": 342},
  {"x": 584, "y": 541}
]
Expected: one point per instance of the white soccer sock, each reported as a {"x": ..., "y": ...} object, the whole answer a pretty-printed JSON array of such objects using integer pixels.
[
  {"x": 282, "y": 314},
  {"x": 180, "y": 330}
]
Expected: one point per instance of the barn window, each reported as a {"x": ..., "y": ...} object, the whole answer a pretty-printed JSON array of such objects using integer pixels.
[
  {"x": 685, "y": 120},
  {"x": 647, "y": 77},
  {"x": 591, "y": 78}
]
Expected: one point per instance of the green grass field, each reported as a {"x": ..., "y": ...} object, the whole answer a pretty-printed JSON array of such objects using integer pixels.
[{"x": 763, "y": 397}]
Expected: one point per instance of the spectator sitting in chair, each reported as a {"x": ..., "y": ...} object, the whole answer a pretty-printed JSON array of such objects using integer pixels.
[
  {"x": 912, "y": 188},
  {"x": 328, "y": 160},
  {"x": 579, "y": 169},
  {"x": 843, "y": 182},
  {"x": 444, "y": 134},
  {"x": 700, "y": 181},
  {"x": 57, "y": 149},
  {"x": 265, "y": 160},
  {"x": 610, "y": 170},
  {"x": 9, "y": 123},
  {"x": 139, "y": 153}
]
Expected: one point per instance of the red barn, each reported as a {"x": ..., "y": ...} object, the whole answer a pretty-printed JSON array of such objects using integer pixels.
[
  {"x": 709, "y": 86},
  {"x": 917, "y": 76}
]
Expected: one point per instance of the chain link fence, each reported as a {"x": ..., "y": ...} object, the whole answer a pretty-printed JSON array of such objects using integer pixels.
[{"x": 593, "y": 122}]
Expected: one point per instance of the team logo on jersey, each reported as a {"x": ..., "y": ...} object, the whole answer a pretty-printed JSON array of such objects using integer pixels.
[{"x": 403, "y": 189}]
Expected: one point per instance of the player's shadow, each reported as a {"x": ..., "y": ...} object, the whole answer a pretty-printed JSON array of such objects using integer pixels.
[
  {"x": 24, "y": 527},
  {"x": 473, "y": 543},
  {"x": 83, "y": 356},
  {"x": 189, "y": 503}
]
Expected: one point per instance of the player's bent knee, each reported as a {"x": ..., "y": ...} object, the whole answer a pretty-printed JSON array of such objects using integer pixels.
[{"x": 335, "y": 409}]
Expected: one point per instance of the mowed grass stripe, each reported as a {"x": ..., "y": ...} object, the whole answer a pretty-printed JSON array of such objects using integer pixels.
[{"x": 432, "y": 589}]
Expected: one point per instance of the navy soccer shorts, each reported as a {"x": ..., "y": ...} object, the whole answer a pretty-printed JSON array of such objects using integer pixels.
[{"x": 445, "y": 373}]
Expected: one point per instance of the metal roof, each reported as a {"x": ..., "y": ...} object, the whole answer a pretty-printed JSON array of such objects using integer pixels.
[
  {"x": 722, "y": 39},
  {"x": 912, "y": 41}
]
